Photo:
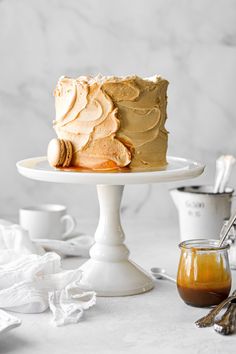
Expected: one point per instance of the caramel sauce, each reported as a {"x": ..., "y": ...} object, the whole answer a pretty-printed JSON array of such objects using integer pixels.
[
  {"x": 109, "y": 169},
  {"x": 104, "y": 169},
  {"x": 203, "y": 297},
  {"x": 203, "y": 278}
]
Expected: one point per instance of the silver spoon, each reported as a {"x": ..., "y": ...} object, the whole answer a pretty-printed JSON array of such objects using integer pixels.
[
  {"x": 227, "y": 324},
  {"x": 208, "y": 320},
  {"x": 225, "y": 229},
  {"x": 160, "y": 273}
]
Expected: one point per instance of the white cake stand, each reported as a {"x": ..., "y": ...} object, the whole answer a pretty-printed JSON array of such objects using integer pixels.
[{"x": 109, "y": 271}]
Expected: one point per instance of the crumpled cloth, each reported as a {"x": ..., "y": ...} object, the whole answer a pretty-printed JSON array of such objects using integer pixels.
[
  {"x": 15, "y": 242},
  {"x": 69, "y": 304},
  {"x": 8, "y": 321},
  {"x": 32, "y": 281},
  {"x": 76, "y": 246}
]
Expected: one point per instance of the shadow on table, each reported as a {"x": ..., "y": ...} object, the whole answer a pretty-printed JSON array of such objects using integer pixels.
[{"x": 10, "y": 343}]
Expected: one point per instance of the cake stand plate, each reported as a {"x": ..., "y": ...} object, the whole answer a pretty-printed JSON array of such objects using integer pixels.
[{"x": 109, "y": 271}]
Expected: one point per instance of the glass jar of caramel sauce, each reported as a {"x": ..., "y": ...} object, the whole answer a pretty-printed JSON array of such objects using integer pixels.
[{"x": 204, "y": 277}]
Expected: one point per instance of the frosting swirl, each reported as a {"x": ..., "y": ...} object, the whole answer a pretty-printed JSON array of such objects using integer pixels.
[{"x": 113, "y": 122}]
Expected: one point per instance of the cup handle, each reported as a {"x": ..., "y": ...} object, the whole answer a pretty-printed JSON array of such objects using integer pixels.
[{"x": 71, "y": 224}]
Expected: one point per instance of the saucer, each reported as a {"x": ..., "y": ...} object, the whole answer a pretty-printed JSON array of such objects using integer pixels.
[{"x": 76, "y": 246}]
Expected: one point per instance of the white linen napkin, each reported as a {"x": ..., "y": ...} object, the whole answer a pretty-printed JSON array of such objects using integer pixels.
[
  {"x": 69, "y": 304},
  {"x": 32, "y": 280},
  {"x": 76, "y": 246},
  {"x": 15, "y": 242},
  {"x": 8, "y": 321}
]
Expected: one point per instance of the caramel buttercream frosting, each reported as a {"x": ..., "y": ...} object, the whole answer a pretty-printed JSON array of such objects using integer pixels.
[{"x": 113, "y": 122}]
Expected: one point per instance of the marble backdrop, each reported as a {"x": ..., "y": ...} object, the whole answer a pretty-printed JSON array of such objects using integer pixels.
[{"x": 191, "y": 43}]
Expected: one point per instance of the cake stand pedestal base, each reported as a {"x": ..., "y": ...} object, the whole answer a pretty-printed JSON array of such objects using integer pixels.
[{"x": 109, "y": 271}]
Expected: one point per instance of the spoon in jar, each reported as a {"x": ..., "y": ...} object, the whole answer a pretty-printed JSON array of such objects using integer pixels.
[
  {"x": 225, "y": 229},
  {"x": 160, "y": 273}
]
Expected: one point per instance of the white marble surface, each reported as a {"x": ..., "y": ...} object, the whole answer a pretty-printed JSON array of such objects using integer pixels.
[
  {"x": 191, "y": 43},
  {"x": 154, "y": 322}
]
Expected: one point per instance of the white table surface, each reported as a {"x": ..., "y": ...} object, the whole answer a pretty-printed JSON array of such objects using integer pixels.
[{"x": 154, "y": 322}]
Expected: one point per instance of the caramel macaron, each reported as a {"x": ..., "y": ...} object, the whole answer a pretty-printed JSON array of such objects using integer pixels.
[{"x": 59, "y": 153}]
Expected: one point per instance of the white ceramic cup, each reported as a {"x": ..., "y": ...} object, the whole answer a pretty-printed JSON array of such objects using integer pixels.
[
  {"x": 48, "y": 221},
  {"x": 201, "y": 212}
]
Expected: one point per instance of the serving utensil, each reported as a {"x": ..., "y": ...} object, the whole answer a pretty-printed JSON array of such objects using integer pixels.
[
  {"x": 160, "y": 273},
  {"x": 224, "y": 165},
  {"x": 227, "y": 324},
  {"x": 209, "y": 319},
  {"x": 226, "y": 228}
]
